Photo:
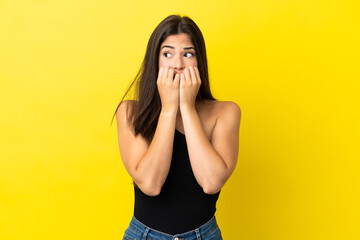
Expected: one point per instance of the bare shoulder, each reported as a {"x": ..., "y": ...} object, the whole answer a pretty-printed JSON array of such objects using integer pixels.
[
  {"x": 227, "y": 115},
  {"x": 124, "y": 105},
  {"x": 227, "y": 107},
  {"x": 222, "y": 108},
  {"x": 123, "y": 111},
  {"x": 219, "y": 116}
]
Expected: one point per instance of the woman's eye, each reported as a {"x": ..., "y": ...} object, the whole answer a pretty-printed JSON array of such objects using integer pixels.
[{"x": 191, "y": 54}]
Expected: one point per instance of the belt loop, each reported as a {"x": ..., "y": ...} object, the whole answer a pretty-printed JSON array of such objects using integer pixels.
[
  {"x": 198, "y": 234},
  {"x": 145, "y": 233}
]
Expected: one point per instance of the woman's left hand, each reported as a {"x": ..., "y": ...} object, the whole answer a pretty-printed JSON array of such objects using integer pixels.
[{"x": 189, "y": 86}]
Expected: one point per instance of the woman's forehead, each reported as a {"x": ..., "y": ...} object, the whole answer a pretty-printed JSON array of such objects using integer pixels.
[{"x": 179, "y": 39}]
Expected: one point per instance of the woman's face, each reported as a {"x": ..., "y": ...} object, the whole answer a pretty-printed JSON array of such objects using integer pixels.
[{"x": 177, "y": 52}]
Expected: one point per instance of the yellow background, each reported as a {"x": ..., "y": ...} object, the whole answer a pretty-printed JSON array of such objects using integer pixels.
[{"x": 292, "y": 67}]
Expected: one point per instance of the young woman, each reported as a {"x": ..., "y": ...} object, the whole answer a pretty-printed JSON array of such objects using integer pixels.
[{"x": 178, "y": 143}]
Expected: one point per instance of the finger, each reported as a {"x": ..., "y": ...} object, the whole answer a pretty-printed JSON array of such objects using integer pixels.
[
  {"x": 182, "y": 78},
  {"x": 165, "y": 73},
  {"x": 177, "y": 78},
  {"x": 171, "y": 74},
  {"x": 197, "y": 74},
  {"x": 161, "y": 70},
  {"x": 193, "y": 75},
  {"x": 187, "y": 75}
]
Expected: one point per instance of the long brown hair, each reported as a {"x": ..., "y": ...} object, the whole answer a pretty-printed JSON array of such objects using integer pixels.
[{"x": 145, "y": 113}]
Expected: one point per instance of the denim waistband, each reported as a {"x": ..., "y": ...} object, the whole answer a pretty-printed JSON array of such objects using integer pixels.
[{"x": 203, "y": 230}]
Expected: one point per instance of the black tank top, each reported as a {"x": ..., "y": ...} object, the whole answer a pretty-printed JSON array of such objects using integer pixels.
[{"x": 182, "y": 204}]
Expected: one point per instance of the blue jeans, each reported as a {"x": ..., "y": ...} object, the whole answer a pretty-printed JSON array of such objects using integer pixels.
[{"x": 139, "y": 231}]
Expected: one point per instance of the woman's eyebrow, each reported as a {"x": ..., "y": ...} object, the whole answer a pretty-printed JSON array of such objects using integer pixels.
[{"x": 186, "y": 48}]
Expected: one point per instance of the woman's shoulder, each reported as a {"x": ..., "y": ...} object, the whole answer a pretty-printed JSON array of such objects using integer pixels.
[
  {"x": 129, "y": 102},
  {"x": 221, "y": 115},
  {"x": 215, "y": 112},
  {"x": 124, "y": 109},
  {"x": 124, "y": 105},
  {"x": 220, "y": 107}
]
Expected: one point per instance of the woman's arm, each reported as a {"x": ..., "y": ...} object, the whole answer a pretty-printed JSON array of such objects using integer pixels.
[
  {"x": 213, "y": 163},
  {"x": 148, "y": 165}
]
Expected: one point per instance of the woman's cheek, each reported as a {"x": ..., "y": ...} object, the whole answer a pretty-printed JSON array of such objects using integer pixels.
[{"x": 163, "y": 64}]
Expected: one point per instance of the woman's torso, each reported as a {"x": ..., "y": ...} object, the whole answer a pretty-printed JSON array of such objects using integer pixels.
[
  {"x": 182, "y": 204},
  {"x": 208, "y": 111}
]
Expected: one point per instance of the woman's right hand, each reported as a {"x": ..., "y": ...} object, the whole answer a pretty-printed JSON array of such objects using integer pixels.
[{"x": 168, "y": 89}]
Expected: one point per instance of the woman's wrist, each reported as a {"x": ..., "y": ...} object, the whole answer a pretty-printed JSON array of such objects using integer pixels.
[
  {"x": 187, "y": 107},
  {"x": 168, "y": 111}
]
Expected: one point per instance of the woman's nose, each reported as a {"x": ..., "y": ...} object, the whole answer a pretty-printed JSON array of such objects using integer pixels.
[{"x": 178, "y": 64}]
